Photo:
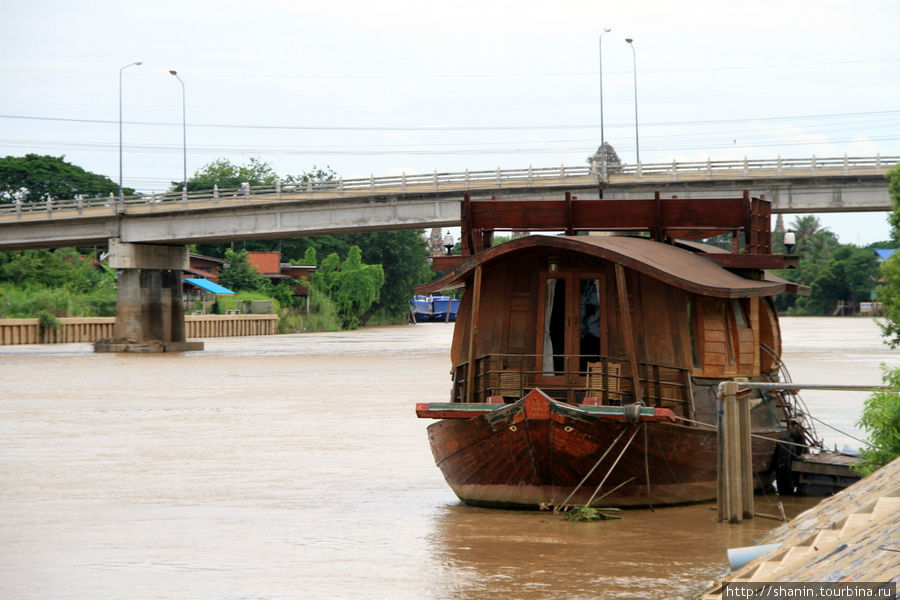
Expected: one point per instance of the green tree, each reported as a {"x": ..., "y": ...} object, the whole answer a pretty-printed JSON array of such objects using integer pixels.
[
  {"x": 881, "y": 419},
  {"x": 34, "y": 177},
  {"x": 358, "y": 287},
  {"x": 239, "y": 275},
  {"x": 888, "y": 293},
  {"x": 893, "y": 177},
  {"x": 227, "y": 175},
  {"x": 848, "y": 274}
]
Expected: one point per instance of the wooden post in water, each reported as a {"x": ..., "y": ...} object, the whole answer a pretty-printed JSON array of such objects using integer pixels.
[{"x": 735, "y": 459}]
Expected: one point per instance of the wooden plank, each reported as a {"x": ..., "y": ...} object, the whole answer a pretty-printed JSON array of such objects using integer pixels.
[{"x": 628, "y": 330}]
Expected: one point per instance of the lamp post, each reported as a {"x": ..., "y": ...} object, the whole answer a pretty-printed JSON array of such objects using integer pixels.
[
  {"x": 183, "y": 127},
  {"x": 602, "y": 136},
  {"x": 637, "y": 146},
  {"x": 138, "y": 62}
]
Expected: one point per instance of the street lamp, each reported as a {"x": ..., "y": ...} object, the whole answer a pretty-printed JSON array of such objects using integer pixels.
[
  {"x": 183, "y": 126},
  {"x": 602, "y": 136},
  {"x": 139, "y": 62},
  {"x": 637, "y": 146}
]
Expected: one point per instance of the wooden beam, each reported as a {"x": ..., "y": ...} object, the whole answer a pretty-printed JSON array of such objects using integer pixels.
[
  {"x": 473, "y": 334},
  {"x": 628, "y": 331}
]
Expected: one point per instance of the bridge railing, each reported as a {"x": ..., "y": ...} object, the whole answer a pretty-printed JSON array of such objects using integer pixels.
[{"x": 454, "y": 181}]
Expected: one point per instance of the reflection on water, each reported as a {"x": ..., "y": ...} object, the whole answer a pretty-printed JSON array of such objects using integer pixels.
[{"x": 294, "y": 467}]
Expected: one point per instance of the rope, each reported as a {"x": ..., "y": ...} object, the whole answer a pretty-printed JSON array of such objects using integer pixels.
[
  {"x": 608, "y": 473},
  {"x": 647, "y": 468},
  {"x": 762, "y": 437},
  {"x": 596, "y": 464}
]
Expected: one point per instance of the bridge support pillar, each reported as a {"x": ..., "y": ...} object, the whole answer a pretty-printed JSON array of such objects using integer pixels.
[{"x": 149, "y": 307}]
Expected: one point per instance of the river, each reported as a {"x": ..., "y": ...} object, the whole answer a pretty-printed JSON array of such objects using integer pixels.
[{"x": 293, "y": 467}]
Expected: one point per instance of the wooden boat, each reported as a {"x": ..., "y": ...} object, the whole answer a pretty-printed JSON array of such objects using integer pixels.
[{"x": 591, "y": 361}]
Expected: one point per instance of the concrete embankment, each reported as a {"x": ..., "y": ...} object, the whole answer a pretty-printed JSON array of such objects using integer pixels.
[
  {"x": 91, "y": 329},
  {"x": 851, "y": 537}
]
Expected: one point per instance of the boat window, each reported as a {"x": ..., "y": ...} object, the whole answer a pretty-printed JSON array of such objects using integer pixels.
[
  {"x": 589, "y": 321},
  {"x": 739, "y": 316},
  {"x": 729, "y": 347},
  {"x": 554, "y": 326}
]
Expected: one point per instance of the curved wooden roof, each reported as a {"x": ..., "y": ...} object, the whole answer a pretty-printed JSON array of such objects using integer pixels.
[{"x": 675, "y": 266}]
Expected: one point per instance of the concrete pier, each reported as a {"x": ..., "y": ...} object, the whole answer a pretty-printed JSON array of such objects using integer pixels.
[{"x": 149, "y": 307}]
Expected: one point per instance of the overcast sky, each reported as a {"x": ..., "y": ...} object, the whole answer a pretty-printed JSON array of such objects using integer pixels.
[{"x": 388, "y": 87}]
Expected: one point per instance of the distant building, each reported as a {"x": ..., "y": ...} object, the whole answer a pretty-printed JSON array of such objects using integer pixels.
[
  {"x": 884, "y": 253},
  {"x": 269, "y": 265}
]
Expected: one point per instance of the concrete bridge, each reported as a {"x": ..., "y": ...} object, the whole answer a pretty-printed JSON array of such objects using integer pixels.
[
  {"x": 812, "y": 185},
  {"x": 147, "y": 234}
]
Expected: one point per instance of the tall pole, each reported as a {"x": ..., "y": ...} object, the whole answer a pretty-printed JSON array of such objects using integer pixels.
[
  {"x": 637, "y": 145},
  {"x": 183, "y": 128},
  {"x": 139, "y": 62},
  {"x": 602, "y": 136}
]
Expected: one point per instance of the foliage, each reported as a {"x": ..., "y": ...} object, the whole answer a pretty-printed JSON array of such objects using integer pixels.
[
  {"x": 226, "y": 175},
  {"x": 881, "y": 419},
  {"x": 893, "y": 177},
  {"x": 352, "y": 285},
  {"x": 587, "y": 513},
  {"x": 59, "y": 283},
  {"x": 888, "y": 292},
  {"x": 240, "y": 275},
  {"x": 34, "y": 177},
  {"x": 849, "y": 273},
  {"x": 815, "y": 247}
]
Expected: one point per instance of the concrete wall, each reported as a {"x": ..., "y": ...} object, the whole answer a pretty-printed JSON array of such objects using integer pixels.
[{"x": 91, "y": 329}]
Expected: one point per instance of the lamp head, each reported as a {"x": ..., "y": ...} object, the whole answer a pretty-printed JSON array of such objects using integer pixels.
[
  {"x": 790, "y": 240},
  {"x": 171, "y": 72},
  {"x": 629, "y": 40},
  {"x": 138, "y": 62}
]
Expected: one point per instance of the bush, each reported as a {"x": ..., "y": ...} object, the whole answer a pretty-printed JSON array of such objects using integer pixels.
[{"x": 881, "y": 418}]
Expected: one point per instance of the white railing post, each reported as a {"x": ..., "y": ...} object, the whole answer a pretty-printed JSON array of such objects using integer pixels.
[
  {"x": 79, "y": 200},
  {"x": 846, "y": 166},
  {"x": 18, "y": 207},
  {"x": 184, "y": 196},
  {"x": 530, "y": 175},
  {"x": 215, "y": 193},
  {"x": 562, "y": 173},
  {"x": 245, "y": 187},
  {"x": 309, "y": 188},
  {"x": 403, "y": 181},
  {"x": 878, "y": 164},
  {"x": 372, "y": 182},
  {"x": 499, "y": 184},
  {"x": 746, "y": 167},
  {"x": 674, "y": 170},
  {"x": 435, "y": 180},
  {"x": 152, "y": 201},
  {"x": 708, "y": 168},
  {"x": 639, "y": 171},
  {"x": 778, "y": 166},
  {"x": 467, "y": 178},
  {"x": 813, "y": 164},
  {"x": 114, "y": 202},
  {"x": 278, "y": 190},
  {"x": 341, "y": 187}
]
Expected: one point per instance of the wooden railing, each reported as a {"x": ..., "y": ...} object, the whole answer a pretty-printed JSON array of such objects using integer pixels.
[
  {"x": 451, "y": 182},
  {"x": 73, "y": 330},
  {"x": 605, "y": 380}
]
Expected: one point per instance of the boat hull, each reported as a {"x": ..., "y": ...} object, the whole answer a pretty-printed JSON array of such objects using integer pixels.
[{"x": 535, "y": 452}]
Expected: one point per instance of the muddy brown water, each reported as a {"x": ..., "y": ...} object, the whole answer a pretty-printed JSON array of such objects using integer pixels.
[{"x": 294, "y": 467}]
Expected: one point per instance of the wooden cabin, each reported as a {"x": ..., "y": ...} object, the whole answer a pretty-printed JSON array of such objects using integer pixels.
[{"x": 612, "y": 319}]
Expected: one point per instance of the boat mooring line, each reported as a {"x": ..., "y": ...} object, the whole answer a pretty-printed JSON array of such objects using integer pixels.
[
  {"x": 596, "y": 464},
  {"x": 608, "y": 473}
]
